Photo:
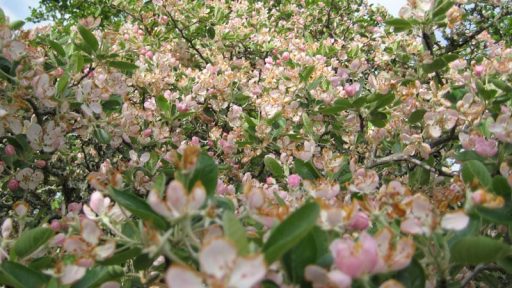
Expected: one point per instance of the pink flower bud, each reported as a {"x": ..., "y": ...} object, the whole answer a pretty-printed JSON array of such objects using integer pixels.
[
  {"x": 195, "y": 141},
  {"x": 149, "y": 55},
  {"x": 59, "y": 239},
  {"x": 269, "y": 61},
  {"x": 286, "y": 56},
  {"x": 478, "y": 197},
  {"x": 74, "y": 207},
  {"x": 359, "y": 221},
  {"x": 58, "y": 72},
  {"x": 55, "y": 225},
  {"x": 486, "y": 148},
  {"x": 10, "y": 150},
  {"x": 163, "y": 20},
  {"x": 85, "y": 262},
  {"x": 479, "y": 70},
  {"x": 13, "y": 185},
  {"x": 126, "y": 36},
  {"x": 270, "y": 181},
  {"x": 40, "y": 164},
  {"x": 351, "y": 90},
  {"x": 379, "y": 19},
  {"x": 294, "y": 181},
  {"x": 181, "y": 107},
  {"x": 147, "y": 132}
]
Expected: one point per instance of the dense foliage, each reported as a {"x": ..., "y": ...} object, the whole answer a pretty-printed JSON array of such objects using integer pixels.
[{"x": 250, "y": 143}]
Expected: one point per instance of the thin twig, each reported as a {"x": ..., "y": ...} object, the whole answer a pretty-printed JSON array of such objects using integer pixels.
[{"x": 188, "y": 40}]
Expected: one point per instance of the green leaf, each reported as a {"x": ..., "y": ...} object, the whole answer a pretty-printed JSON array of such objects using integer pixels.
[
  {"x": 475, "y": 173},
  {"x": 206, "y": 171},
  {"x": 120, "y": 258},
  {"x": 89, "y": 38},
  {"x": 18, "y": 276},
  {"x": 163, "y": 104},
  {"x": 441, "y": 9},
  {"x": 234, "y": 230},
  {"x": 469, "y": 155},
  {"x": 62, "y": 83},
  {"x": 57, "y": 47},
  {"x": 309, "y": 251},
  {"x": 31, "y": 240},
  {"x": 123, "y": 66},
  {"x": 16, "y": 24},
  {"x": 496, "y": 215},
  {"x": 138, "y": 207},
  {"x": 485, "y": 93},
  {"x": 384, "y": 100},
  {"x": 439, "y": 63},
  {"x": 210, "y": 31},
  {"x": 291, "y": 231},
  {"x": 500, "y": 187},
  {"x": 506, "y": 263},
  {"x": 305, "y": 74},
  {"x": 338, "y": 106},
  {"x": 419, "y": 177},
  {"x": 99, "y": 275},
  {"x": 477, "y": 249},
  {"x": 102, "y": 136},
  {"x": 416, "y": 116},
  {"x": 399, "y": 24},
  {"x": 502, "y": 85},
  {"x": 308, "y": 125},
  {"x": 412, "y": 276},
  {"x": 113, "y": 104},
  {"x": 274, "y": 167},
  {"x": 306, "y": 170}
]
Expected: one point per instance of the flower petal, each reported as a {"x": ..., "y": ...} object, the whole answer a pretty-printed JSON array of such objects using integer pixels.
[
  {"x": 455, "y": 221},
  {"x": 217, "y": 258},
  {"x": 247, "y": 272},
  {"x": 180, "y": 276}
]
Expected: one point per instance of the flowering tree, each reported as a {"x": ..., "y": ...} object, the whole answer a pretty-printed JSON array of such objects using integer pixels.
[{"x": 258, "y": 144}]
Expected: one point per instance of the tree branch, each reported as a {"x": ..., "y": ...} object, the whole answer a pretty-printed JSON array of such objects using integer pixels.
[
  {"x": 188, "y": 40},
  {"x": 398, "y": 157}
]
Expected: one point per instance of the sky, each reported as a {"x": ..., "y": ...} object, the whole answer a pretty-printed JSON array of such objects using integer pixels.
[{"x": 19, "y": 9}]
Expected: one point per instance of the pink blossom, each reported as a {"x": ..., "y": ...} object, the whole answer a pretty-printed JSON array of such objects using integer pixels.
[
  {"x": 13, "y": 184},
  {"x": 147, "y": 133},
  {"x": 352, "y": 89},
  {"x": 163, "y": 20},
  {"x": 479, "y": 70},
  {"x": 55, "y": 225},
  {"x": 40, "y": 164},
  {"x": 149, "y": 54},
  {"x": 294, "y": 180},
  {"x": 486, "y": 148},
  {"x": 285, "y": 56},
  {"x": 360, "y": 221},
  {"x": 74, "y": 207},
  {"x": 355, "y": 259},
  {"x": 9, "y": 150}
]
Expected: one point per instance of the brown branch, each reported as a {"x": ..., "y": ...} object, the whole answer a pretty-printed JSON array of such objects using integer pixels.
[
  {"x": 479, "y": 268},
  {"x": 188, "y": 40},
  {"x": 89, "y": 71},
  {"x": 452, "y": 47},
  {"x": 398, "y": 157},
  {"x": 35, "y": 109}
]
